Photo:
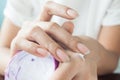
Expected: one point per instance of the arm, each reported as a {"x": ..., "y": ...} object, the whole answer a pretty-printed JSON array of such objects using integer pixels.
[
  {"x": 8, "y": 32},
  {"x": 110, "y": 34},
  {"x": 110, "y": 39},
  {"x": 105, "y": 50}
]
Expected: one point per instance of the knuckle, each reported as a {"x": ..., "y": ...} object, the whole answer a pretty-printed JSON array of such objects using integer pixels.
[
  {"x": 33, "y": 31},
  {"x": 52, "y": 26},
  {"x": 31, "y": 47},
  {"x": 35, "y": 28},
  {"x": 28, "y": 31},
  {"x": 52, "y": 46},
  {"x": 72, "y": 42}
]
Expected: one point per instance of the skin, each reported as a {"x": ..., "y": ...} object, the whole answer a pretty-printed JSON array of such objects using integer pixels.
[
  {"x": 76, "y": 69},
  {"x": 107, "y": 53}
]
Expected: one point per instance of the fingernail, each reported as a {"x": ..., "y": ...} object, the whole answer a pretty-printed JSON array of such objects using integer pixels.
[
  {"x": 72, "y": 13},
  {"x": 83, "y": 49},
  {"x": 42, "y": 52},
  {"x": 62, "y": 55}
]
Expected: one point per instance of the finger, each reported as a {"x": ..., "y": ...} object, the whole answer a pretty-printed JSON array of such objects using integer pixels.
[
  {"x": 68, "y": 70},
  {"x": 30, "y": 47},
  {"x": 38, "y": 35},
  {"x": 61, "y": 35},
  {"x": 64, "y": 72},
  {"x": 52, "y": 8},
  {"x": 68, "y": 26}
]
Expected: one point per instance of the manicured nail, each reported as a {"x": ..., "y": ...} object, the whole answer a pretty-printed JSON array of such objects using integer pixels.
[
  {"x": 42, "y": 52},
  {"x": 62, "y": 55},
  {"x": 72, "y": 13},
  {"x": 83, "y": 49}
]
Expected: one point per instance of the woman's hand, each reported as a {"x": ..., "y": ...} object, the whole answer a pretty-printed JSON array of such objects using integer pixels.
[
  {"x": 94, "y": 64},
  {"x": 76, "y": 69},
  {"x": 40, "y": 37}
]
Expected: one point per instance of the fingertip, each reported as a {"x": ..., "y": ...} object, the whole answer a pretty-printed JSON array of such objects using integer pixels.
[
  {"x": 82, "y": 48},
  {"x": 68, "y": 26},
  {"x": 72, "y": 13},
  {"x": 61, "y": 54}
]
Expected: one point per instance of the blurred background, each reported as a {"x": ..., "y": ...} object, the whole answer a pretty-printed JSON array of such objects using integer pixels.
[{"x": 2, "y": 6}]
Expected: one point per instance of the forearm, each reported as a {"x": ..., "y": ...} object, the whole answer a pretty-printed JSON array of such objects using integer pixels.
[
  {"x": 4, "y": 59},
  {"x": 105, "y": 59},
  {"x": 108, "y": 62},
  {"x": 109, "y": 37},
  {"x": 8, "y": 33}
]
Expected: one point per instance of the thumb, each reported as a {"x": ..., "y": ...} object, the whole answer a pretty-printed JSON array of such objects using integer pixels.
[
  {"x": 64, "y": 72},
  {"x": 68, "y": 26}
]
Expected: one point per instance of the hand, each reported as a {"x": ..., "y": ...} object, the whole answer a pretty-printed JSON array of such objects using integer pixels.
[
  {"x": 87, "y": 69},
  {"x": 40, "y": 37},
  {"x": 76, "y": 69}
]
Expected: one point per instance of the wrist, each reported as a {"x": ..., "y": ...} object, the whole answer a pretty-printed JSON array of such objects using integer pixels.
[{"x": 107, "y": 63}]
